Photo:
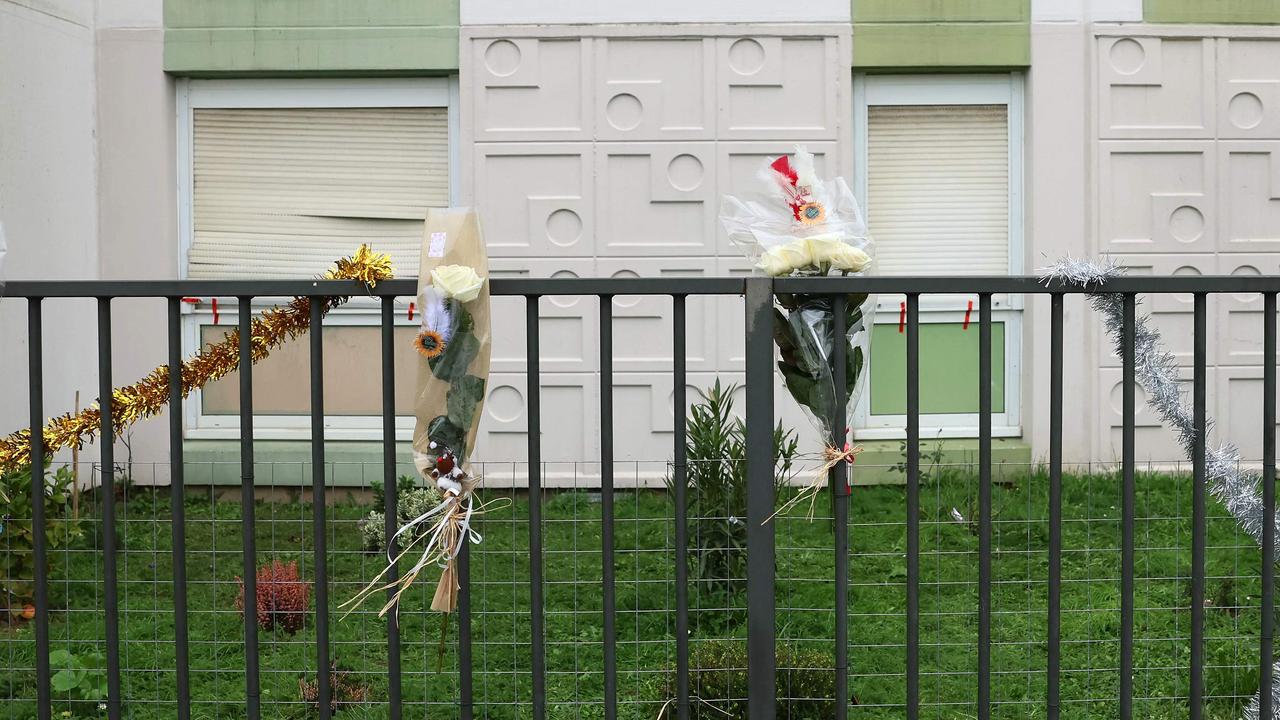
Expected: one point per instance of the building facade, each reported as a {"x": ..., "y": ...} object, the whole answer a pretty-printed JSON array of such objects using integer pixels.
[{"x": 160, "y": 139}]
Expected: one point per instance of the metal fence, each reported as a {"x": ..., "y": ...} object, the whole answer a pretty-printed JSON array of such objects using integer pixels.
[{"x": 761, "y": 541}]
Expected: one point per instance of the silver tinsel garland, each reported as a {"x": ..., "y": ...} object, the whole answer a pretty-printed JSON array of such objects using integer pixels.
[{"x": 1157, "y": 372}]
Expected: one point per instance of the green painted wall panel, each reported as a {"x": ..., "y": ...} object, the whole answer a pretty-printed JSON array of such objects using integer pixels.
[
  {"x": 1211, "y": 11},
  {"x": 941, "y": 45},
  {"x": 941, "y": 10},
  {"x": 308, "y": 13},
  {"x": 310, "y": 36},
  {"x": 309, "y": 50},
  {"x": 948, "y": 369}
]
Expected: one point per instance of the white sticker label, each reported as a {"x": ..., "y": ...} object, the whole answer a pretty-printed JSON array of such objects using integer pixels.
[{"x": 436, "y": 249}]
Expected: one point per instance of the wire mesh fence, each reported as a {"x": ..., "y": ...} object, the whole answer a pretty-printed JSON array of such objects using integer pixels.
[{"x": 645, "y": 600}]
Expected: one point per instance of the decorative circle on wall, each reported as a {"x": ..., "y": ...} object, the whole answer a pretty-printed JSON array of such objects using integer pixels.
[
  {"x": 1139, "y": 401},
  {"x": 564, "y": 227},
  {"x": 502, "y": 57},
  {"x": 624, "y": 111},
  {"x": 564, "y": 301},
  {"x": 1186, "y": 224},
  {"x": 505, "y": 404},
  {"x": 746, "y": 56},
  {"x": 1127, "y": 56},
  {"x": 1245, "y": 111},
  {"x": 1251, "y": 271},
  {"x": 626, "y": 301},
  {"x": 684, "y": 172},
  {"x": 1186, "y": 270}
]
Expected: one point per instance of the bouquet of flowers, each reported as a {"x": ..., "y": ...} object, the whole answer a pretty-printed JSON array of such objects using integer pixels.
[
  {"x": 803, "y": 226},
  {"x": 454, "y": 344}
]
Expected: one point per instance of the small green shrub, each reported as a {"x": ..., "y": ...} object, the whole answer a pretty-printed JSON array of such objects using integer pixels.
[
  {"x": 930, "y": 468},
  {"x": 17, "y": 533},
  {"x": 411, "y": 502},
  {"x": 806, "y": 683},
  {"x": 82, "y": 677},
  {"x": 716, "y": 501}
]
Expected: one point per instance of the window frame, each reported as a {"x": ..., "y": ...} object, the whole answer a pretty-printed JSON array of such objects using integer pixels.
[
  {"x": 193, "y": 94},
  {"x": 1006, "y": 89}
]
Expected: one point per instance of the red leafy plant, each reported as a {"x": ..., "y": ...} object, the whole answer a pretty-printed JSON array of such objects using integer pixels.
[{"x": 284, "y": 598}]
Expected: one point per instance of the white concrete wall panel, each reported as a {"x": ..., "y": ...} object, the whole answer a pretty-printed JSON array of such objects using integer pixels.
[
  {"x": 1059, "y": 165},
  {"x": 604, "y": 150},
  {"x": 48, "y": 196},
  {"x": 492, "y": 12},
  {"x": 1188, "y": 182},
  {"x": 1152, "y": 87},
  {"x": 1157, "y": 197},
  {"x": 655, "y": 89},
  {"x": 536, "y": 199},
  {"x": 1077, "y": 11},
  {"x": 1250, "y": 193},
  {"x": 530, "y": 89}
]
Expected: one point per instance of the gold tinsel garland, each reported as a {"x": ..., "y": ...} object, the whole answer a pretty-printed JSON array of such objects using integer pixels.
[{"x": 148, "y": 396}]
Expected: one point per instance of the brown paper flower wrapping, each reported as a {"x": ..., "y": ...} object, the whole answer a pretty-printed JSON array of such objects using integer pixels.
[{"x": 452, "y": 383}]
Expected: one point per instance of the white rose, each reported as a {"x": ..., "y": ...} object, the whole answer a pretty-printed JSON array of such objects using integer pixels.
[
  {"x": 782, "y": 259},
  {"x": 823, "y": 247},
  {"x": 457, "y": 281},
  {"x": 838, "y": 254}
]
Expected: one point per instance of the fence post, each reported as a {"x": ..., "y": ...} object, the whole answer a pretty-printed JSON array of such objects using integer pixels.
[{"x": 761, "y": 628}]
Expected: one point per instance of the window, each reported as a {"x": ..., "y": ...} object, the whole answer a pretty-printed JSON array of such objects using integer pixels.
[
  {"x": 939, "y": 171},
  {"x": 278, "y": 179}
]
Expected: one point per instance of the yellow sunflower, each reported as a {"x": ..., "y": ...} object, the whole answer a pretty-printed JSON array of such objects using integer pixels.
[
  {"x": 429, "y": 344},
  {"x": 811, "y": 213}
]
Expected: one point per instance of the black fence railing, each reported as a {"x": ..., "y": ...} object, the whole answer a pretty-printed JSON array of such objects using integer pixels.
[{"x": 761, "y": 625}]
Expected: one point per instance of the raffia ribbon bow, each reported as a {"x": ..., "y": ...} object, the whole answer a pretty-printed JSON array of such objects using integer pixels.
[{"x": 831, "y": 456}]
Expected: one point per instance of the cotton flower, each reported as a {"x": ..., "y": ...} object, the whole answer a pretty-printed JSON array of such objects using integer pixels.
[
  {"x": 457, "y": 281},
  {"x": 782, "y": 259}
]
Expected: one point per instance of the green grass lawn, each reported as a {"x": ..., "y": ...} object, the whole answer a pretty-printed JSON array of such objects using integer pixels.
[{"x": 646, "y": 607}]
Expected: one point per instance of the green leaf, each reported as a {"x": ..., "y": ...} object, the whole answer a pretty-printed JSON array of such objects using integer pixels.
[
  {"x": 464, "y": 395},
  {"x": 465, "y": 323},
  {"x": 65, "y": 680},
  {"x": 456, "y": 358},
  {"x": 442, "y": 430}
]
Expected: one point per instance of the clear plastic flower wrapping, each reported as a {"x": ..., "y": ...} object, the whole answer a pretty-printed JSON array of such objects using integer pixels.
[{"x": 798, "y": 225}]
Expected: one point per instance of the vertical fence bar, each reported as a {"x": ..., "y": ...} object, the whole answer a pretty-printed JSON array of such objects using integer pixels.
[
  {"x": 761, "y": 625},
  {"x": 106, "y": 441},
  {"x": 839, "y": 480},
  {"x": 465, "y": 676},
  {"x": 177, "y": 512},
  {"x": 1052, "y": 694},
  {"x": 318, "y": 507},
  {"x": 606, "y": 509},
  {"x": 533, "y": 391},
  {"x": 35, "y": 385},
  {"x": 1199, "y": 528},
  {"x": 1127, "y": 503},
  {"x": 913, "y": 506},
  {"x": 679, "y": 381},
  {"x": 1266, "y": 698},
  {"x": 984, "y": 506},
  {"x": 389, "y": 494},
  {"x": 247, "y": 538}
]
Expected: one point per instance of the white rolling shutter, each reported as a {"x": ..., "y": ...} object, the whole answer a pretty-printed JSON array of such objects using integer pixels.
[
  {"x": 938, "y": 188},
  {"x": 282, "y": 192}
]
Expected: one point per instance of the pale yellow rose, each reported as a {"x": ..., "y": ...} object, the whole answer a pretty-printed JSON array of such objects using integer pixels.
[
  {"x": 457, "y": 281},
  {"x": 782, "y": 259},
  {"x": 838, "y": 254}
]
